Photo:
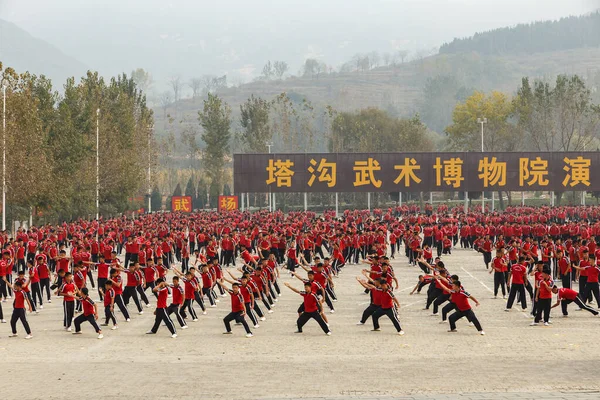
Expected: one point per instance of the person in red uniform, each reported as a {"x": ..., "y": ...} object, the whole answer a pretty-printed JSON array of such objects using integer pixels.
[
  {"x": 373, "y": 287},
  {"x": 389, "y": 305},
  {"x": 516, "y": 278},
  {"x": 238, "y": 309},
  {"x": 189, "y": 284},
  {"x": 544, "y": 298},
  {"x": 176, "y": 302},
  {"x": 68, "y": 290},
  {"x": 19, "y": 310},
  {"x": 109, "y": 304},
  {"x": 312, "y": 308},
  {"x": 45, "y": 275},
  {"x": 567, "y": 296},
  {"x": 460, "y": 298},
  {"x": 90, "y": 313},
  {"x": 499, "y": 268},
  {"x": 161, "y": 315}
]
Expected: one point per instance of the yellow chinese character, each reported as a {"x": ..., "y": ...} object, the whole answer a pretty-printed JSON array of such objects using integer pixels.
[
  {"x": 327, "y": 172},
  {"x": 224, "y": 201},
  {"x": 452, "y": 172},
  {"x": 365, "y": 172},
  {"x": 578, "y": 171},
  {"x": 407, "y": 172},
  {"x": 280, "y": 173},
  {"x": 492, "y": 172},
  {"x": 533, "y": 171},
  {"x": 177, "y": 204},
  {"x": 185, "y": 204}
]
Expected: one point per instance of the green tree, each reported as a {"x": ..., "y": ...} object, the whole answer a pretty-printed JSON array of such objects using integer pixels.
[
  {"x": 202, "y": 198},
  {"x": 214, "y": 191},
  {"x": 254, "y": 120},
  {"x": 226, "y": 190},
  {"x": 177, "y": 191},
  {"x": 215, "y": 119},
  {"x": 156, "y": 199},
  {"x": 464, "y": 134}
]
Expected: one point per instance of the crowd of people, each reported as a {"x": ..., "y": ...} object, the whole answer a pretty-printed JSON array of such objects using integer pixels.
[{"x": 186, "y": 262}]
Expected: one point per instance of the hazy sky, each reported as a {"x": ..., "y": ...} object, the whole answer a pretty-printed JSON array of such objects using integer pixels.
[{"x": 194, "y": 37}]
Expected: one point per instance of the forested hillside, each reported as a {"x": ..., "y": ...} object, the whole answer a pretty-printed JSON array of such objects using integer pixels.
[{"x": 564, "y": 34}]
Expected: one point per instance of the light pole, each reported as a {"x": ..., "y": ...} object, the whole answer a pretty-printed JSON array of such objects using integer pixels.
[
  {"x": 482, "y": 121},
  {"x": 98, "y": 164},
  {"x": 149, "y": 181},
  {"x": 3, "y": 156},
  {"x": 269, "y": 145}
]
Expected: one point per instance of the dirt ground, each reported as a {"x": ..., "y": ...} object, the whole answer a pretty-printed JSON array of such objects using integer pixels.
[{"x": 276, "y": 363}]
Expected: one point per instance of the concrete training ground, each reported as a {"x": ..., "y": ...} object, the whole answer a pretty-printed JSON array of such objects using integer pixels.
[{"x": 527, "y": 362}]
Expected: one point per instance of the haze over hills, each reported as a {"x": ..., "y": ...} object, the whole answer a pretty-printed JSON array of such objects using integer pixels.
[
  {"x": 236, "y": 37},
  {"x": 23, "y": 52}
]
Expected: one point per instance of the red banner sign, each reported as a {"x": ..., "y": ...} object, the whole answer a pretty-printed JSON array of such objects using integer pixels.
[
  {"x": 181, "y": 203},
  {"x": 228, "y": 203}
]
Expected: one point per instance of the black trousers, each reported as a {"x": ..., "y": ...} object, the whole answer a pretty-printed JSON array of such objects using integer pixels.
[
  {"x": 121, "y": 305},
  {"x": 162, "y": 316},
  {"x": 470, "y": 316},
  {"x": 36, "y": 293},
  {"x": 499, "y": 281},
  {"x": 441, "y": 299},
  {"x": 199, "y": 300},
  {"x": 174, "y": 308},
  {"x": 45, "y": 284},
  {"x": 101, "y": 283},
  {"x": 208, "y": 292},
  {"x": 368, "y": 312},
  {"x": 543, "y": 307},
  {"x": 69, "y": 311},
  {"x": 250, "y": 313},
  {"x": 237, "y": 317},
  {"x": 391, "y": 313},
  {"x": 143, "y": 297},
  {"x": 28, "y": 295},
  {"x": 592, "y": 288},
  {"x": 90, "y": 318},
  {"x": 432, "y": 293},
  {"x": 303, "y": 319},
  {"x": 514, "y": 289},
  {"x": 130, "y": 292},
  {"x": 188, "y": 304},
  {"x": 19, "y": 314},
  {"x": 109, "y": 315},
  {"x": 564, "y": 303},
  {"x": 257, "y": 308},
  {"x": 566, "y": 280}
]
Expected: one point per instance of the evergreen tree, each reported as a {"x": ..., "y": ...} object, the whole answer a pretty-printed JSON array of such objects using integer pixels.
[{"x": 156, "y": 199}]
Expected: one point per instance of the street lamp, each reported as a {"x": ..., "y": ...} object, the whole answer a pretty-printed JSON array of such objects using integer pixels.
[
  {"x": 97, "y": 164},
  {"x": 482, "y": 121},
  {"x": 3, "y": 155},
  {"x": 269, "y": 145}
]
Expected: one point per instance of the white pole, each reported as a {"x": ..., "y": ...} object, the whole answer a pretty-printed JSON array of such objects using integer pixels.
[
  {"x": 337, "y": 212},
  {"x": 149, "y": 176},
  {"x": 400, "y": 199},
  {"x": 242, "y": 198},
  {"x": 98, "y": 164},
  {"x": 583, "y": 198},
  {"x": 3, "y": 157},
  {"x": 305, "y": 201},
  {"x": 482, "y": 121},
  {"x": 369, "y": 201},
  {"x": 431, "y": 198},
  {"x": 248, "y": 201},
  {"x": 466, "y": 202},
  {"x": 552, "y": 199},
  {"x": 522, "y": 199},
  {"x": 274, "y": 204},
  {"x": 493, "y": 200}
]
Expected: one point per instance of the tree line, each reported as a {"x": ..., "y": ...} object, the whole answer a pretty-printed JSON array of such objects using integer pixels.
[
  {"x": 51, "y": 145},
  {"x": 567, "y": 33}
]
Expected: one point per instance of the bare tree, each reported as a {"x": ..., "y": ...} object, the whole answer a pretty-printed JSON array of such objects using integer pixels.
[
  {"x": 281, "y": 67},
  {"x": 387, "y": 57},
  {"x": 165, "y": 102},
  {"x": 208, "y": 83},
  {"x": 268, "y": 71},
  {"x": 402, "y": 54},
  {"x": 196, "y": 86},
  {"x": 374, "y": 59},
  {"x": 175, "y": 83}
]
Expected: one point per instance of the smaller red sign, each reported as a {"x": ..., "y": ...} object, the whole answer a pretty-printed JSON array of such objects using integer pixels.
[
  {"x": 228, "y": 203},
  {"x": 181, "y": 203}
]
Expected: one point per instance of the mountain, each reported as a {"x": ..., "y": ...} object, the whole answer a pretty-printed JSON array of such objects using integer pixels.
[
  {"x": 23, "y": 52},
  {"x": 564, "y": 34}
]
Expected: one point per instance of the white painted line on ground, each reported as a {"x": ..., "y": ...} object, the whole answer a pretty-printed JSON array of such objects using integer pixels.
[{"x": 483, "y": 284}]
